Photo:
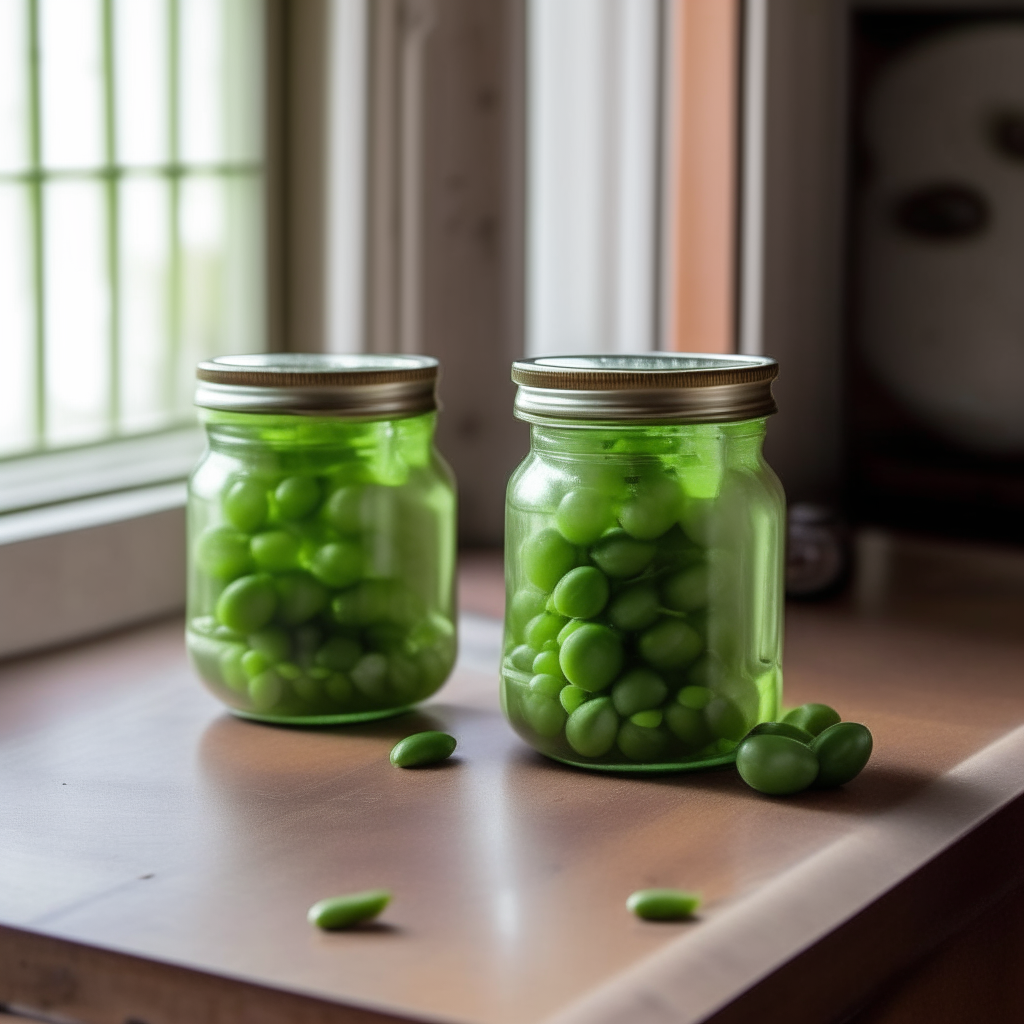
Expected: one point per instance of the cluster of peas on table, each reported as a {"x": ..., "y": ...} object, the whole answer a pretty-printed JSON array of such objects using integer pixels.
[
  {"x": 296, "y": 624},
  {"x": 609, "y": 626}
]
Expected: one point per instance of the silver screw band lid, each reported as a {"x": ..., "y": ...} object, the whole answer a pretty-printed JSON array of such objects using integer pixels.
[
  {"x": 662, "y": 387},
  {"x": 315, "y": 384}
]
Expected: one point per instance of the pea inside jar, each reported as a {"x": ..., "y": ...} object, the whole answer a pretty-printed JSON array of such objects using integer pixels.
[
  {"x": 322, "y": 545},
  {"x": 643, "y": 562}
]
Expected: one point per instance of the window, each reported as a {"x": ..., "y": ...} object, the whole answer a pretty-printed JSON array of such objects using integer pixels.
[{"x": 130, "y": 210}]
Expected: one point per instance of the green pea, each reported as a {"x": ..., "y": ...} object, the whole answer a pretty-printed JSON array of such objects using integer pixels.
[
  {"x": 546, "y": 686},
  {"x": 370, "y": 676},
  {"x": 686, "y": 591},
  {"x": 275, "y": 550},
  {"x": 842, "y": 751},
  {"x": 545, "y": 716},
  {"x": 297, "y": 497},
  {"x": 725, "y": 719},
  {"x": 345, "y": 911},
  {"x": 593, "y": 727},
  {"x": 635, "y": 608},
  {"x": 568, "y": 629},
  {"x": 254, "y": 662},
  {"x": 620, "y": 556},
  {"x": 641, "y": 743},
  {"x": 781, "y": 729},
  {"x": 231, "y": 670},
  {"x": 640, "y": 689},
  {"x": 524, "y": 605},
  {"x": 422, "y": 748},
  {"x": 591, "y": 657},
  {"x": 776, "y": 765},
  {"x": 648, "y": 719},
  {"x": 522, "y": 658},
  {"x": 546, "y": 557},
  {"x": 223, "y": 553},
  {"x": 583, "y": 515},
  {"x": 571, "y": 697},
  {"x": 697, "y": 519},
  {"x": 272, "y": 642},
  {"x": 265, "y": 690},
  {"x": 696, "y": 697},
  {"x": 299, "y": 597},
  {"x": 547, "y": 662},
  {"x": 248, "y": 603},
  {"x": 245, "y": 505},
  {"x": 663, "y": 904},
  {"x": 670, "y": 644},
  {"x": 338, "y": 565},
  {"x": 542, "y": 628},
  {"x": 653, "y": 510},
  {"x": 343, "y": 510},
  {"x": 689, "y": 726},
  {"x": 339, "y": 687},
  {"x": 814, "y": 718},
  {"x": 581, "y": 593},
  {"x": 288, "y": 670},
  {"x": 339, "y": 654}
]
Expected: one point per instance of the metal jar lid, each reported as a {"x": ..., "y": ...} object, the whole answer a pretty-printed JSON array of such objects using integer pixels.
[
  {"x": 663, "y": 387},
  {"x": 311, "y": 384}
]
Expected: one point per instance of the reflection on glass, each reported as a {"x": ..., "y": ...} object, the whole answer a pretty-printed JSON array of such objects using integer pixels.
[
  {"x": 14, "y": 128},
  {"x": 77, "y": 313},
  {"x": 17, "y": 405},
  {"x": 141, "y": 80}
]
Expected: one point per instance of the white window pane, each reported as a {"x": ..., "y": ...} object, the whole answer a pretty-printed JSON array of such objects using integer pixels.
[
  {"x": 141, "y": 80},
  {"x": 201, "y": 77},
  {"x": 17, "y": 382},
  {"x": 241, "y": 81},
  {"x": 145, "y": 263},
  {"x": 77, "y": 313},
  {"x": 72, "y": 82},
  {"x": 14, "y": 126}
]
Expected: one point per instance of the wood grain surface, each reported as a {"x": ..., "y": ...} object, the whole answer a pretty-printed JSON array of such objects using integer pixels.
[{"x": 158, "y": 855}]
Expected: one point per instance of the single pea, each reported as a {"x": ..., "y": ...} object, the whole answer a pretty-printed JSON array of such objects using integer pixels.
[
  {"x": 689, "y": 726},
  {"x": 521, "y": 658},
  {"x": 620, "y": 556},
  {"x": 571, "y": 697},
  {"x": 339, "y": 654},
  {"x": 814, "y": 718},
  {"x": 297, "y": 497},
  {"x": 370, "y": 676},
  {"x": 670, "y": 644},
  {"x": 725, "y": 719},
  {"x": 653, "y": 509},
  {"x": 547, "y": 662},
  {"x": 697, "y": 520},
  {"x": 299, "y": 597},
  {"x": 583, "y": 515},
  {"x": 288, "y": 670},
  {"x": 568, "y": 629},
  {"x": 781, "y": 729},
  {"x": 663, "y": 904},
  {"x": 275, "y": 550},
  {"x": 254, "y": 662},
  {"x": 591, "y": 657},
  {"x": 524, "y": 605},
  {"x": 696, "y": 697},
  {"x": 641, "y": 743},
  {"x": 776, "y": 765},
  {"x": 545, "y": 716},
  {"x": 343, "y": 510},
  {"x": 422, "y": 748},
  {"x": 245, "y": 505},
  {"x": 338, "y": 565},
  {"x": 272, "y": 641},
  {"x": 546, "y": 686},
  {"x": 223, "y": 553},
  {"x": 345, "y": 911},
  {"x": 231, "y": 670},
  {"x": 581, "y": 593},
  {"x": 546, "y": 557},
  {"x": 542, "y": 628},
  {"x": 640, "y": 689},
  {"x": 248, "y": 603},
  {"x": 648, "y": 719},
  {"x": 842, "y": 751},
  {"x": 593, "y": 727},
  {"x": 686, "y": 591},
  {"x": 265, "y": 690},
  {"x": 635, "y": 608}
]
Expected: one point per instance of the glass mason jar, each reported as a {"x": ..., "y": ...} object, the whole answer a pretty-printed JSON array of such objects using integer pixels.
[
  {"x": 643, "y": 561},
  {"x": 321, "y": 537}
]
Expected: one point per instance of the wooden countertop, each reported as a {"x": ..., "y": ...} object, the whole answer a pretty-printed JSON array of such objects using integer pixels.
[{"x": 157, "y": 856}]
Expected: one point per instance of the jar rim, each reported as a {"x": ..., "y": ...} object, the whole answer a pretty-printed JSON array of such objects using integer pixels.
[
  {"x": 311, "y": 383},
  {"x": 657, "y": 387}
]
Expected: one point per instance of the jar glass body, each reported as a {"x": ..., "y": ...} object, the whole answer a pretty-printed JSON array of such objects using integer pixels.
[
  {"x": 321, "y": 565},
  {"x": 644, "y": 575}
]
